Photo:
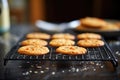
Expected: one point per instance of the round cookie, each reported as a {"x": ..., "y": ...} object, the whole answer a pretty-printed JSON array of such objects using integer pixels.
[
  {"x": 92, "y": 22},
  {"x": 110, "y": 27},
  {"x": 61, "y": 42},
  {"x": 34, "y": 42},
  {"x": 83, "y": 28},
  {"x": 89, "y": 36},
  {"x": 71, "y": 50},
  {"x": 117, "y": 24},
  {"x": 33, "y": 50},
  {"x": 90, "y": 43},
  {"x": 38, "y": 36},
  {"x": 63, "y": 35}
]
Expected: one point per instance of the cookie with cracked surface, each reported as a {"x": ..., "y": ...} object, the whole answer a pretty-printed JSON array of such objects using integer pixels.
[
  {"x": 90, "y": 43},
  {"x": 89, "y": 36},
  {"x": 92, "y": 22},
  {"x": 71, "y": 50},
  {"x": 61, "y": 42},
  {"x": 34, "y": 42},
  {"x": 38, "y": 36},
  {"x": 63, "y": 36},
  {"x": 33, "y": 50}
]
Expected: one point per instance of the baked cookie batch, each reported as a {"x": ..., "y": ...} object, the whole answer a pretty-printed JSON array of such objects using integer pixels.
[
  {"x": 93, "y": 23},
  {"x": 64, "y": 43}
]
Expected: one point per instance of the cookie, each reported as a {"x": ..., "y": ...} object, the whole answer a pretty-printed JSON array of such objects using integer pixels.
[
  {"x": 117, "y": 24},
  {"x": 63, "y": 35},
  {"x": 61, "y": 42},
  {"x": 71, "y": 50},
  {"x": 38, "y": 36},
  {"x": 89, "y": 36},
  {"x": 34, "y": 42},
  {"x": 92, "y": 22},
  {"x": 90, "y": 43},
  {"x": 82, "y": 28},
  {"x": 110, "y": 27},
  {"x": 33, "y": 50}
]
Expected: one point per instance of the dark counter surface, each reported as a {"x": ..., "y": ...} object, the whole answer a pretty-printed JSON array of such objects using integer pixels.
[{"x": 48, "y": 70}]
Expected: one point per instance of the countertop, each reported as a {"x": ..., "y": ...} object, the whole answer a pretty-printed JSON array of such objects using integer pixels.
[{"x": 48, "y": 70}]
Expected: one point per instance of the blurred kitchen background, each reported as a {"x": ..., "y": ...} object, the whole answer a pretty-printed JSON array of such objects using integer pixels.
[{"x": 28, "y": 11}]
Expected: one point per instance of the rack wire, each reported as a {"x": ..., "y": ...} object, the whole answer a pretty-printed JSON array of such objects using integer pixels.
[{"x": 102, "y": 53}]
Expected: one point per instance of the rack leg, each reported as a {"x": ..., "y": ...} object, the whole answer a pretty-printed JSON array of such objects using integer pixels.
[
  {"x": 5, "y": 62},
  {"x": 115, "y": 63}
]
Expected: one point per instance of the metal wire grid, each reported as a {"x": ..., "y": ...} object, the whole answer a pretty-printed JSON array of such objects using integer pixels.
[{"x": 103, "y": 53}]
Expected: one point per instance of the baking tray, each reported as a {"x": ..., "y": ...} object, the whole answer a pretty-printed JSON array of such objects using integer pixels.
[
  {"x": 105, "y": 33},
  {"x": 103, "y": 53}
]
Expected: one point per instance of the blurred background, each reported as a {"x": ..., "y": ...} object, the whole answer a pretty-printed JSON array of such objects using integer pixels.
[{"x": 28, "y": 11}]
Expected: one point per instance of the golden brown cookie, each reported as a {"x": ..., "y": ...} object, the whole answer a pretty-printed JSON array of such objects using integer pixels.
[
  {"x": 83, "y": 28},
  {"x": 33, "y": 50},
  {"x": 117, "y": 24},
  {"x": 89, "y": 36},
  {"x": 71, "y": 50},
  {"x": 63, "y": 36},
  {"x": 34, "y": 42},
  {"x": 61, "y": 42},
  {"x": 38, "y": 36},
  {"x": 90, "y": 43},
  {"x": 92, "y": 22},
  {"x": 110, "y": 27}
]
